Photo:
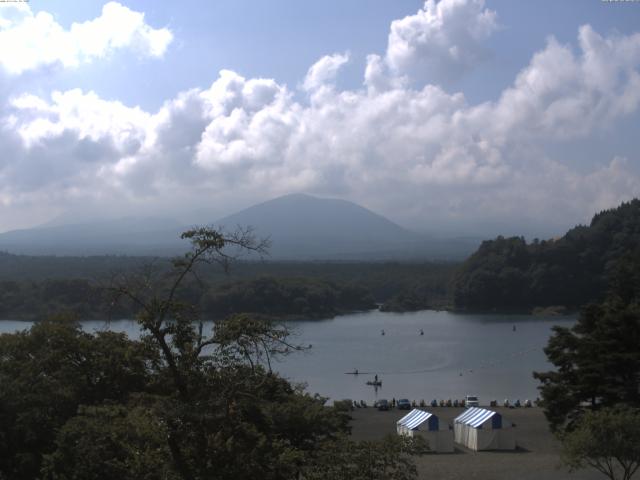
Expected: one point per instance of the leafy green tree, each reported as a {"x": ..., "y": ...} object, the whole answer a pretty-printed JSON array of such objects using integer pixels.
[
  {"x": 597, "y": 360},
  {"x": 47, "y": 372},
  {"x": 110, "y": 441},
  {"x": 389, "y": 459},
  {"x": 607, "y": 440}
]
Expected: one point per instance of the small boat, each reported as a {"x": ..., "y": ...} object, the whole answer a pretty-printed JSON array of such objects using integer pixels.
[
  {"x": 421, "y": 332},
  {"x": 381, "y": 332},
  {"x": 514, "y": 328},
  {"x": 375, "y": 383}
]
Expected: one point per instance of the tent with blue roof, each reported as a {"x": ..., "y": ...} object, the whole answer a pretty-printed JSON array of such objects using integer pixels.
[
  {"x": 481, "y": 429},
  {"x": 427, "y": 425}
]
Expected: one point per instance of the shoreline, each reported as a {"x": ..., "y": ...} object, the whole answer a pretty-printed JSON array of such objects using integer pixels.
[{"x": 535, "y": 312}]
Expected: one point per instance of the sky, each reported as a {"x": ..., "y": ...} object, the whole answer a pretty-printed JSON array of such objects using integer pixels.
[{"x": 463, "y": 117}]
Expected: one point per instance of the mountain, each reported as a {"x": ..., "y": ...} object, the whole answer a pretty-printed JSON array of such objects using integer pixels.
[
  {"x": 300, "y": 227},
  {"x": 303, "y": 227},
  {"x": 306, "y": 227},
  {"x": 125, "y": 236}
]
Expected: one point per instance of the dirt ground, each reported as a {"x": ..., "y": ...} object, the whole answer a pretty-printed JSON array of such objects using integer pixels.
[{"x": 537, "y": 456}]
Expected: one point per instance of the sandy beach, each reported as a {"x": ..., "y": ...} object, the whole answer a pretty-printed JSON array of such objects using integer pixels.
[{"x": 537, "y": 456}]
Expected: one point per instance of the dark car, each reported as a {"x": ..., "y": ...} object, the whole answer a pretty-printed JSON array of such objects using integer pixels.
[
  {"x": 404, "y": 404},
  {"x": 382, "y": 404}
]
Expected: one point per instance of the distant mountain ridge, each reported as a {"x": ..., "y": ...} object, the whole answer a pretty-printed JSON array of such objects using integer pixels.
[{"x": 301, "y": 227}]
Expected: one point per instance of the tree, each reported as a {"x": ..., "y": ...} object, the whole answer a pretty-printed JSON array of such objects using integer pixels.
[
  {"x": 46, "y": 373},
  {"x": 607, "y": 440},
  {"x": 597, "y": 360},
  {"x": 389, "y": 459},
  {"x": 110, "y": 441},
  {"x": 181, "y": 403}
]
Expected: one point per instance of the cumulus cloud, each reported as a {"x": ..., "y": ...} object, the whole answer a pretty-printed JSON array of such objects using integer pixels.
[
  {"x": 441, "y": 41},
  {"x": 422, "y": 155},
  {"x": 31, "y": 40},
  {"x": 324, "y": 71},
  {"x": 560, "y": 94}
]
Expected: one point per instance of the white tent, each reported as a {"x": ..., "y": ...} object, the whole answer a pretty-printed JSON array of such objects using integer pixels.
[
  {"x": 480, "y": 429},
  {"x": 427, "y": 425}
]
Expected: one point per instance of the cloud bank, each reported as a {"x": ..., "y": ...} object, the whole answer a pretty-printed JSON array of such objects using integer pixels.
[
  {"x": 401, "y": 144},
  {"x": 29, "y": 41}
]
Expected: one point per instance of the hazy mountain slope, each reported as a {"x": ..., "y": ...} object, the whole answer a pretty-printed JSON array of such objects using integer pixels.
[
  {"x": 150, "y": 236},
  {"x": 302, "y": 226}
]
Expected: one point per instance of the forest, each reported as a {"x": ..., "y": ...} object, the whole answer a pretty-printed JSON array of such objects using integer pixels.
[
  {"x": 31, "y": 287},
  {"x": 512, "y": 274}
]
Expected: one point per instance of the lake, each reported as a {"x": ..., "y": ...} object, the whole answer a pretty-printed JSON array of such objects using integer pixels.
[{"x": 458, "y": 354}]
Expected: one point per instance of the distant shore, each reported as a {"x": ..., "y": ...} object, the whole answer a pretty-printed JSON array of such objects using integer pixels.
[{"x": 553, "y": 311}]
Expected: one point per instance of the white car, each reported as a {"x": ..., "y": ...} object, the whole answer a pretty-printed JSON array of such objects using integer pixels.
[{"x": 471, "y": 401}]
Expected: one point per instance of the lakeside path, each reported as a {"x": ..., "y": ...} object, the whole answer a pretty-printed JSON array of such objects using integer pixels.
[{"x": 537, "y": 457}]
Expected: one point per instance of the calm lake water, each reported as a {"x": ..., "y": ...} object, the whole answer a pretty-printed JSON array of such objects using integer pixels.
[{"x": 457, "y": 355}]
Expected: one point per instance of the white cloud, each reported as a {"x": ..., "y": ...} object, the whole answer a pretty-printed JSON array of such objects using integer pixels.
[
  {"x": 420, "y": 154},
  {"x": 563, "y": 95},
  {"x": 441, "y": 41},
  {"x": 31, "y": 40},
  {"x": 324, "y": 71}
]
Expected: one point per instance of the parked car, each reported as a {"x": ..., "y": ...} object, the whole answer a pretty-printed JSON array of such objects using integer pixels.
[
  {"x": 471, "y": 401},
  {"x": 382, "y": 404},
  {"x": 404, "y": 404}
]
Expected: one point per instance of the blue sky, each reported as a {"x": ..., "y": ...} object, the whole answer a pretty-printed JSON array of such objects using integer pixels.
[
  {"x": 458, "y": 116},
  {"x": 281, "y": 38}
]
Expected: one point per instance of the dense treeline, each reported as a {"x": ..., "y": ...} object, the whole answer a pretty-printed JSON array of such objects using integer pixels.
[
  {"x": 382, "y": 279},
  {"x": 286, "y": 297},
  {"x": 509, "y": 273},
  {"x": 32, "y": 287},
  {"x": 432, "y": 291},
  {"x": 275, "y": 297},
  {"x": 28, "y": 300},
  {"x": 36, "y": 268}
]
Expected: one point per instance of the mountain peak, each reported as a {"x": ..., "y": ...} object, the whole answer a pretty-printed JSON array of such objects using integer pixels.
[{"x": 302, "y": 225}]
